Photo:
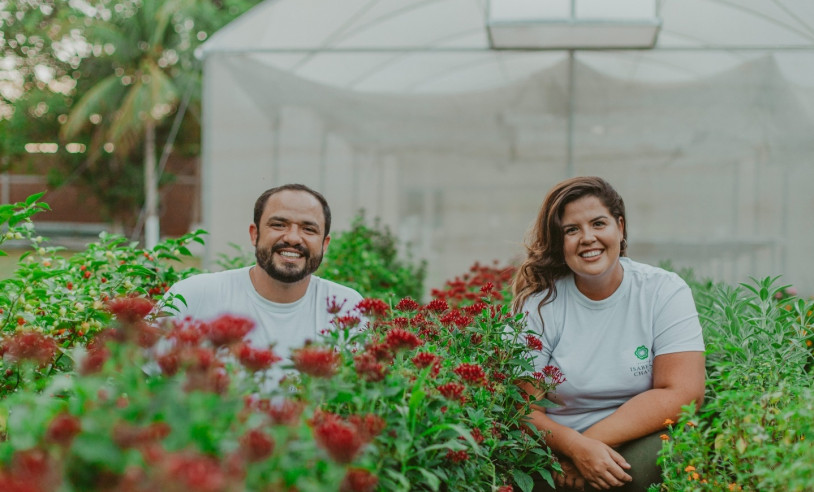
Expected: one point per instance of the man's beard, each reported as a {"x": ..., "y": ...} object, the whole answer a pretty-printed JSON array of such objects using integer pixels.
[{"x": 288, "y": 272}]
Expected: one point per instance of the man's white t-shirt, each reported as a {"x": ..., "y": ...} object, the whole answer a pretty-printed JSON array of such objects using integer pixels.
[
  {"x": 605, "y": 349},
  {"x": 287, "y": 326}
]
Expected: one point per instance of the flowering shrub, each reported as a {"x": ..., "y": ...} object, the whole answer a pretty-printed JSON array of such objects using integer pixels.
[
  {"x": 755, "y": 429},
  {"x": 63, "y": 299}
]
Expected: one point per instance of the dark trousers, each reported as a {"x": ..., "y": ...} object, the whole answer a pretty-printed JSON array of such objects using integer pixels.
[{"x": 641, "y": 454}]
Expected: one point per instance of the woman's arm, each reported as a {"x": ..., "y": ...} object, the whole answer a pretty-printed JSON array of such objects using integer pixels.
[
  {"x": 678, "y": 379},
  {"x": 596, "y": 462}
]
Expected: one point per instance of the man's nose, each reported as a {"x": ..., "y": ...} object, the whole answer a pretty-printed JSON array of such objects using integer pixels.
[{"x": 292, "y": 235}]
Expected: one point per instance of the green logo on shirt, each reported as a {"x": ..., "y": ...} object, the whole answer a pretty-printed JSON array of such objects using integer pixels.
[{"x": 642, "y": 352}]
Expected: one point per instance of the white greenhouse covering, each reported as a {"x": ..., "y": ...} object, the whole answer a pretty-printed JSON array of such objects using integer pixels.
[{"x": 423, "y": 113}]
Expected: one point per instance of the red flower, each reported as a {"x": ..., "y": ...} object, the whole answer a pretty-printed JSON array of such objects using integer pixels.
[
  {"x": 400, "y": 322},
  {"x": 534, "y": 343},
  {"x": 425, "y": 359},
  {"x": 29, "y": 345},
  {"x": 398, "y": 338},
  {"x": 130, "y": 309},
  {"x": 127, "y": 436},
  {"x": 194, "y": 471},
  {"x": 471, "y": 373},
  {"x": 407, "y": 304},
  {"x": 369, "y": 426},
  {"x": 97, "y": 354},
  {"x": 341, "y": 440},
  {"x": 256, "y": 359},
  {"x": 286, "y": 412},
  {"x": 476, "y": 309},
  {"x": 228, "y": 329},
  {"x": 476, "y": 434},
  {"x": 452, "y": 391},
  {"x": 62, "y": 429},
  {"x": 359, "y": 480},
  {"x": 368, "y": 367},
  {"x": 188, "y": 332},
  {"x": 457, "y": 456},
  {"x": 256, "y": 445},
  {"x": 487, "y": 288},
  {"x": 551, "y": 375},
  {"x": 335, "y": 307},
  {"x": 316, "y": 361},
  {"x": 506, "y": 488},
  {"x": 346, "y": 322},
  {"x": 373, "y": 307},
  {"x": 437, "y": 306},
  {"x": 169, "y": 363}
]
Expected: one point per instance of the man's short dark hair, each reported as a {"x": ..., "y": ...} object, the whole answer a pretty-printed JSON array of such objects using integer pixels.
[{"x": 260, "y": 204}]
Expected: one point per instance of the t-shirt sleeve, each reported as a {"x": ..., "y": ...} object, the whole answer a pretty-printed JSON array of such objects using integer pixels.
[{"x": 676, "y": 325}]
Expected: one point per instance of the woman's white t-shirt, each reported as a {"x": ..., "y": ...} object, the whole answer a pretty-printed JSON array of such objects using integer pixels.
[{"x": 606, "y": 348}]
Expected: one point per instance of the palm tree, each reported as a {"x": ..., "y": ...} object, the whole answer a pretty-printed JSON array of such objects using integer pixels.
[{"x": 141, "y": 90}]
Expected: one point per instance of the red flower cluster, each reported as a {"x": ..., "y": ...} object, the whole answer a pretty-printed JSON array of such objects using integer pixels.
[
  {"x": 256, "y": 445},
  {"x": 457, "y": 456},
  {"x": 437, "y": 306},
  {"x": 407, "y": 304},
  {"x": 550, "y": 375},
  {"x": 343, "y": 440},
  {"x": 193, "y": 471},
  {"x": 475, "y": 309},
  {"x": 130, "y": 309},
  {"x": 534, "y": 343},
  {"x": 97, "y": 353},
  {"x": 368, "y": 367},
  {"x": 286, "y": 412},
  {"x": 398, "y": 338},
  {"x": 472, "y": 373},
  {"x": 335, "y": 307},
  {"x": 506, "y": 488},
  {"x": 476, "y": 434},
  {"x": 31, "y": 470},
  {"x": 255, "y": 359},
  {"x": 452, "y": 391},
  {"x": 359, "y": 480},
  {"x": 316, "y": 361},
  {"x": 228, "y": 330},
  {"x": 346, "y": 322},
  {"x": 62, "y": 429},
  {"x": 481, "y": 281},
  {"x": 455, "y": 317},
  {"x": 373, "y": 307},
  {"x": 29, "y": 345},
  {"x": 426, "y": 359},
  {"x": 128, "y": 436}
]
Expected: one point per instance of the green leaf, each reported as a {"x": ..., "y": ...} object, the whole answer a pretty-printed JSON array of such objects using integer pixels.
[
  {"x": 433, "y": 481},
  {"x": 523, "y": 480},
  {"x": 98, "y": 449},
  {"x": 33, "y": 198}
]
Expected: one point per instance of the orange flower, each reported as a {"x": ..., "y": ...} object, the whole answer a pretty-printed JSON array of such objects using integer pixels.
[
  {"x": 695, "y": 476},
  {"x": 691, "y": 424},
  {"x": 664, "y": 437},
  {"x": 689, "y": 468},
  {"x": 668, "y": 422}
]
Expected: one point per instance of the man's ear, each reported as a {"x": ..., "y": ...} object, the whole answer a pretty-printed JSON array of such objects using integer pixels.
[
  {"x": 253, "y": 233},
  {"x": 325, "y": 243}
]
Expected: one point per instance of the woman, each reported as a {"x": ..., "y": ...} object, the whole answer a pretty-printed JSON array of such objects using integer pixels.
[{"x": 626, "y": 336}]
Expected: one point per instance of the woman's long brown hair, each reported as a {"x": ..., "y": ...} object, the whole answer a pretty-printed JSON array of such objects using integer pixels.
[{"x": 545, "y": 260}]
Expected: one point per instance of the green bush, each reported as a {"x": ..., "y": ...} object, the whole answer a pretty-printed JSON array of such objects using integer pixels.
[
  {"x": 755, "y": 430},
  {"x": 366, "y": 258}
]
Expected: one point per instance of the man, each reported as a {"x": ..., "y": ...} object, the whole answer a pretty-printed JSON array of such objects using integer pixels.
[{"x": 280, "y": 293}]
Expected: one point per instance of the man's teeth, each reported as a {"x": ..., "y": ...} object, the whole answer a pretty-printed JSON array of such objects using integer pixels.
[
  {"x": 289, "y": 254},
  {"x": 591, "y": 254}
]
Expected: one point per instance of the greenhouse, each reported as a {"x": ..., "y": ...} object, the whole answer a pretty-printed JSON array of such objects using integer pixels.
[{"x": 450, "y": 119}]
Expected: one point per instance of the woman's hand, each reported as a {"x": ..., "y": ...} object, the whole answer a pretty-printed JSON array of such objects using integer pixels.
[
  {"x": 570, "y": 476},
  {"x": 598, "y": 464}
]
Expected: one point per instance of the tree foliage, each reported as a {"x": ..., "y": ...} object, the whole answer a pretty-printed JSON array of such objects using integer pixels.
[{"x": 94, "y": 72}]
